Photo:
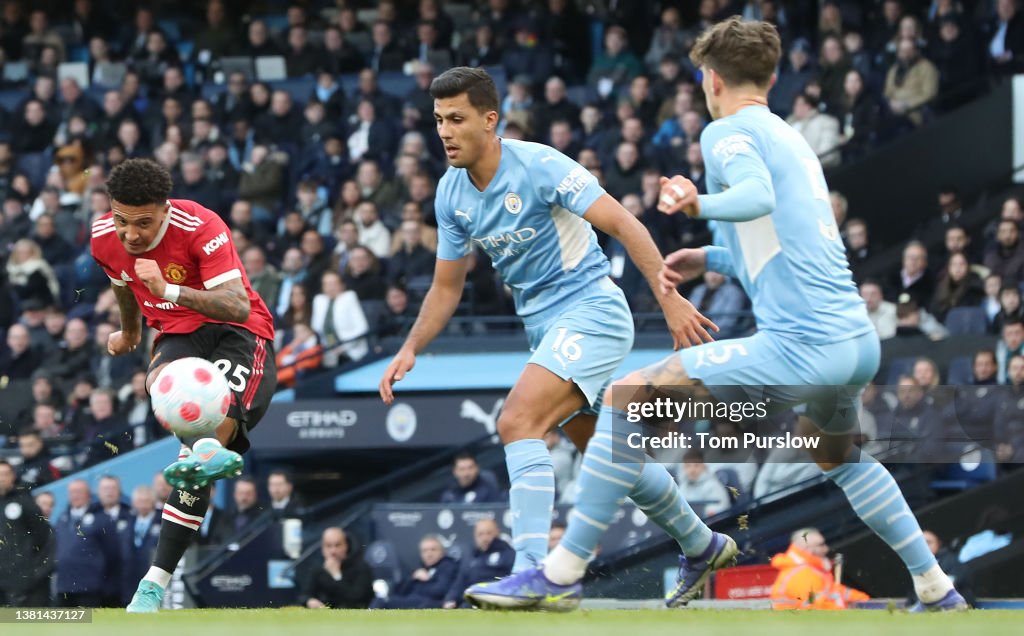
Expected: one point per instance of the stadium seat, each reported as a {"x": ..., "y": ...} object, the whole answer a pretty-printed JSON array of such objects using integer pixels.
[
  {"x": 898, "y": 367},
  {"x": 976, "y": 466},
  {"x": 963, "y": 321},
  {"x": 960, "y": 371},
  {"x": 270, "y": 68}
]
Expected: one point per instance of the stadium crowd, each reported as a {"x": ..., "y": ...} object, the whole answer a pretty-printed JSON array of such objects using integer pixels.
[{"x": 329, "y": 191}]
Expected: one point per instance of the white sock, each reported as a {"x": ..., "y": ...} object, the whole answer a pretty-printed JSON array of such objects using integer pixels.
[
  {"x": 563, "y": 567},
  {"x": 932, "y": 585},
  {"x": 158, "y": 576}
]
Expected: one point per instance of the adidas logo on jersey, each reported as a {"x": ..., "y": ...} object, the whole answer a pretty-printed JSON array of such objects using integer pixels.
[
  {"x": 125, "y": 277},
  {"x": 215, "y": 243}
]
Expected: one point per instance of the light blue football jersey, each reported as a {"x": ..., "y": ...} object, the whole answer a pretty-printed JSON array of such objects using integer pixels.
[
  {"x": 774, "y": 231},
  {"x": 529, "y": 220}
]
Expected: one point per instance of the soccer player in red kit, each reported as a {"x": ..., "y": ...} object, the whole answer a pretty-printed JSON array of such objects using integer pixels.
[{"x": 173, "y": 261}]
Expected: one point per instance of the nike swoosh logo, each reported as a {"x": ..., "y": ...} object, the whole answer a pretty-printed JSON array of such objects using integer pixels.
[
  {"x": 554, "y": 599},
  {"x": 207, "y": 455}
]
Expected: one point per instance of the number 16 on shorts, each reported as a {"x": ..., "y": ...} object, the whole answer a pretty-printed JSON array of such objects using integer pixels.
[{"x": 567, "y": 347}]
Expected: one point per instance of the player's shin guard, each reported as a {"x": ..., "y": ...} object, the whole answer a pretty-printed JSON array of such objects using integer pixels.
[
  {"x": 609, "y": 472},
  {"x": 658, "y": 496},
  {"x": 182, "y": 516},
  {"x": 531, "y": 498},
  {"x": 877, "y": 500}
]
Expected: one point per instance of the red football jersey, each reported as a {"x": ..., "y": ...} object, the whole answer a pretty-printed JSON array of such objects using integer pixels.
[{"x": 193, "y": 249}]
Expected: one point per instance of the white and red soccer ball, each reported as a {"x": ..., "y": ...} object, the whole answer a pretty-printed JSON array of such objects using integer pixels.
[{"x": 190, "y": 397}]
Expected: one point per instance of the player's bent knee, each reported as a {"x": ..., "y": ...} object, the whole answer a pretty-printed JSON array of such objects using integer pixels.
[{"x": 515, "y": 424}]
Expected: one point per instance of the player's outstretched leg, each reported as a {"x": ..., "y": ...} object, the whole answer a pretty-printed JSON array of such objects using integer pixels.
[
  {"x": 878, "y": 501},
  {"x": 703, "y": 550},
  {"x": 182, "y": 516}
]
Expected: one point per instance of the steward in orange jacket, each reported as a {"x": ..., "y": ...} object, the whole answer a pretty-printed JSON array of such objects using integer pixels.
[{"x": 805, "y": 578}]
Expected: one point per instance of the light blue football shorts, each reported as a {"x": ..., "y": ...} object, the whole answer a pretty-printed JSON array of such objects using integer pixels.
[
  {"x": 586, "y": 341},
  {"x": 784, "y": 373}
]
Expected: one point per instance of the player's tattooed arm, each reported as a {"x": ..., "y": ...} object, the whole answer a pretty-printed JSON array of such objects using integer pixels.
[
  {"x": 227, "y": 302},
  {"x": 131, "y": 315}
]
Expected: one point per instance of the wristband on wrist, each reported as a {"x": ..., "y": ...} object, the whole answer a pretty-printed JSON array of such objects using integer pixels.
[{"x": 171, "y": 292}]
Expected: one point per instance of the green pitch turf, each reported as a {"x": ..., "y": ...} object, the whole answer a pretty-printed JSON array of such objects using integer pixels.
[{"x": 300, "y": 622}]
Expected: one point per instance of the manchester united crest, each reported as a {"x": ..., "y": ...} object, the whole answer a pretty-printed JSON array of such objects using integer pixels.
[{"x": 175, "y": 273}]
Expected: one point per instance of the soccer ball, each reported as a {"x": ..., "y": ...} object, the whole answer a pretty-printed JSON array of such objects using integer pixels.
[{"x": 190, "y": 397}]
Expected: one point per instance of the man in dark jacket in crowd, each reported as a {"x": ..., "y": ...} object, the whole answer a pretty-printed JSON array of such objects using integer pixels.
[
  {"x": 26, "y": 546},
  {"x": 469, "y": 486},
  {"x": 427, "y": 586},
  {"x": 343, "y": 582},
  {"x": 138, "y": 540},
  {"x": 87, "y": 548},
  {"x": 492, "y": 559}
]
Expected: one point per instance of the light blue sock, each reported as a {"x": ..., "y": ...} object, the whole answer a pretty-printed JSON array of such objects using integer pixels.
[
  {"x": 531, "y": 498},
  {"x": 877, "y": 500},
  {"x": 609, "y": 472},
  {"x": 658, "y": 496}
]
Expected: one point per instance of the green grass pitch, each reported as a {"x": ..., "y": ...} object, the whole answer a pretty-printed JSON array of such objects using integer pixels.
[{"x": 300, "y": 622}]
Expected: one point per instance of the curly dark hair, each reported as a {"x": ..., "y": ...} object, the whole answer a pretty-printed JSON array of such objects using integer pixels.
[{"x": 139, "y": 182}]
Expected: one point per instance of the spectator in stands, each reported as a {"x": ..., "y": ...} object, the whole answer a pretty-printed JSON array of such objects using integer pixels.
[
  {"x": 1006, "y": 46},
  {"x": 138, "y": 541},
  {"x": 992, "y": 302},
  {"x": 471, "y": 486},
  {"x": 793, "y": 78},
  {"x": 805, "y": 578},
  {"x": 108, "y": 370},
  {"x": 626, "y": 171},
  {"x": 339, "y": 321},
  {"x": 105, "y": 431},
  {"x": 916, "y": 424},
  {"x": 55, "y": 249},
  {"x": 19, "y": 359},
  {"x": 129, "y": 138},
  {"x": 1007, "y": 257},
  {"x": 387, "y": 55},
  {"x": 1010, "y": 344},
  {"x": 556, "y": 106},
  {"x": 362, "y": 274},
  {"x": 480, "y": 48},
  {"x": 1009, "y": 423},
  {"x": 109, "y": 495},
  {"x": 343, "y": 582},
  {"x": 959, "y": 288},
  {"x": 911, "y": 83},
  {"x": 819, "y": 129},
  {"x": 137, "y": 411},
  {"x": 859, "y": 114},
  {"x": 293, "y": 306},
  {"x": 36, "y": 468},
  {"x": 723, "y": 301},
  {"x": 427, "y": 586},
  {"x": 956, "y": 58},
  {"x": 491, "y": 559},
  {"x": 87, "y": 550},
  {"x": 616, "y": 64},
  {"x": 301, "y": 58},
  {"x": 668, "y": 39},
  {"x": 302, "y": 353},
  {"x": 1009, "y": 307},
  {"x": 26, "y": 545},
  {"x": 911, "y": 320},
  {"x": 700, "y": 487},
  {"x": 194, "y": 185},
  {"x": 32, "y": 277},
  {"x": 46, "y": 502},
  {"x": 526, "y": 55},
  {"x": 282, "y": 123},
  {"x": 258, "y": 42},
  {"x": 858, "y": 248},
  {"x": 975, "y": 406},
  {"x": 41, "y": 36},
  {"x": 373, "y": 234},
  {"x": 341, "y": 56},
  {"x": 261, "y": 182},
  {"x": 348, "y": 239},
  {"x": 913, "y": 278},
  {"x": 247, "y": 507},
  {"x": 413, "y": 260},
  {"x": 374, "y": 186},
  {"x": 398, "y": 315},
  {"x": 263, "y": 277},
  {"x": 74, "y": 354},
  {"x": 833, "y": 66},
  {"x": 284, "y": 502}
]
